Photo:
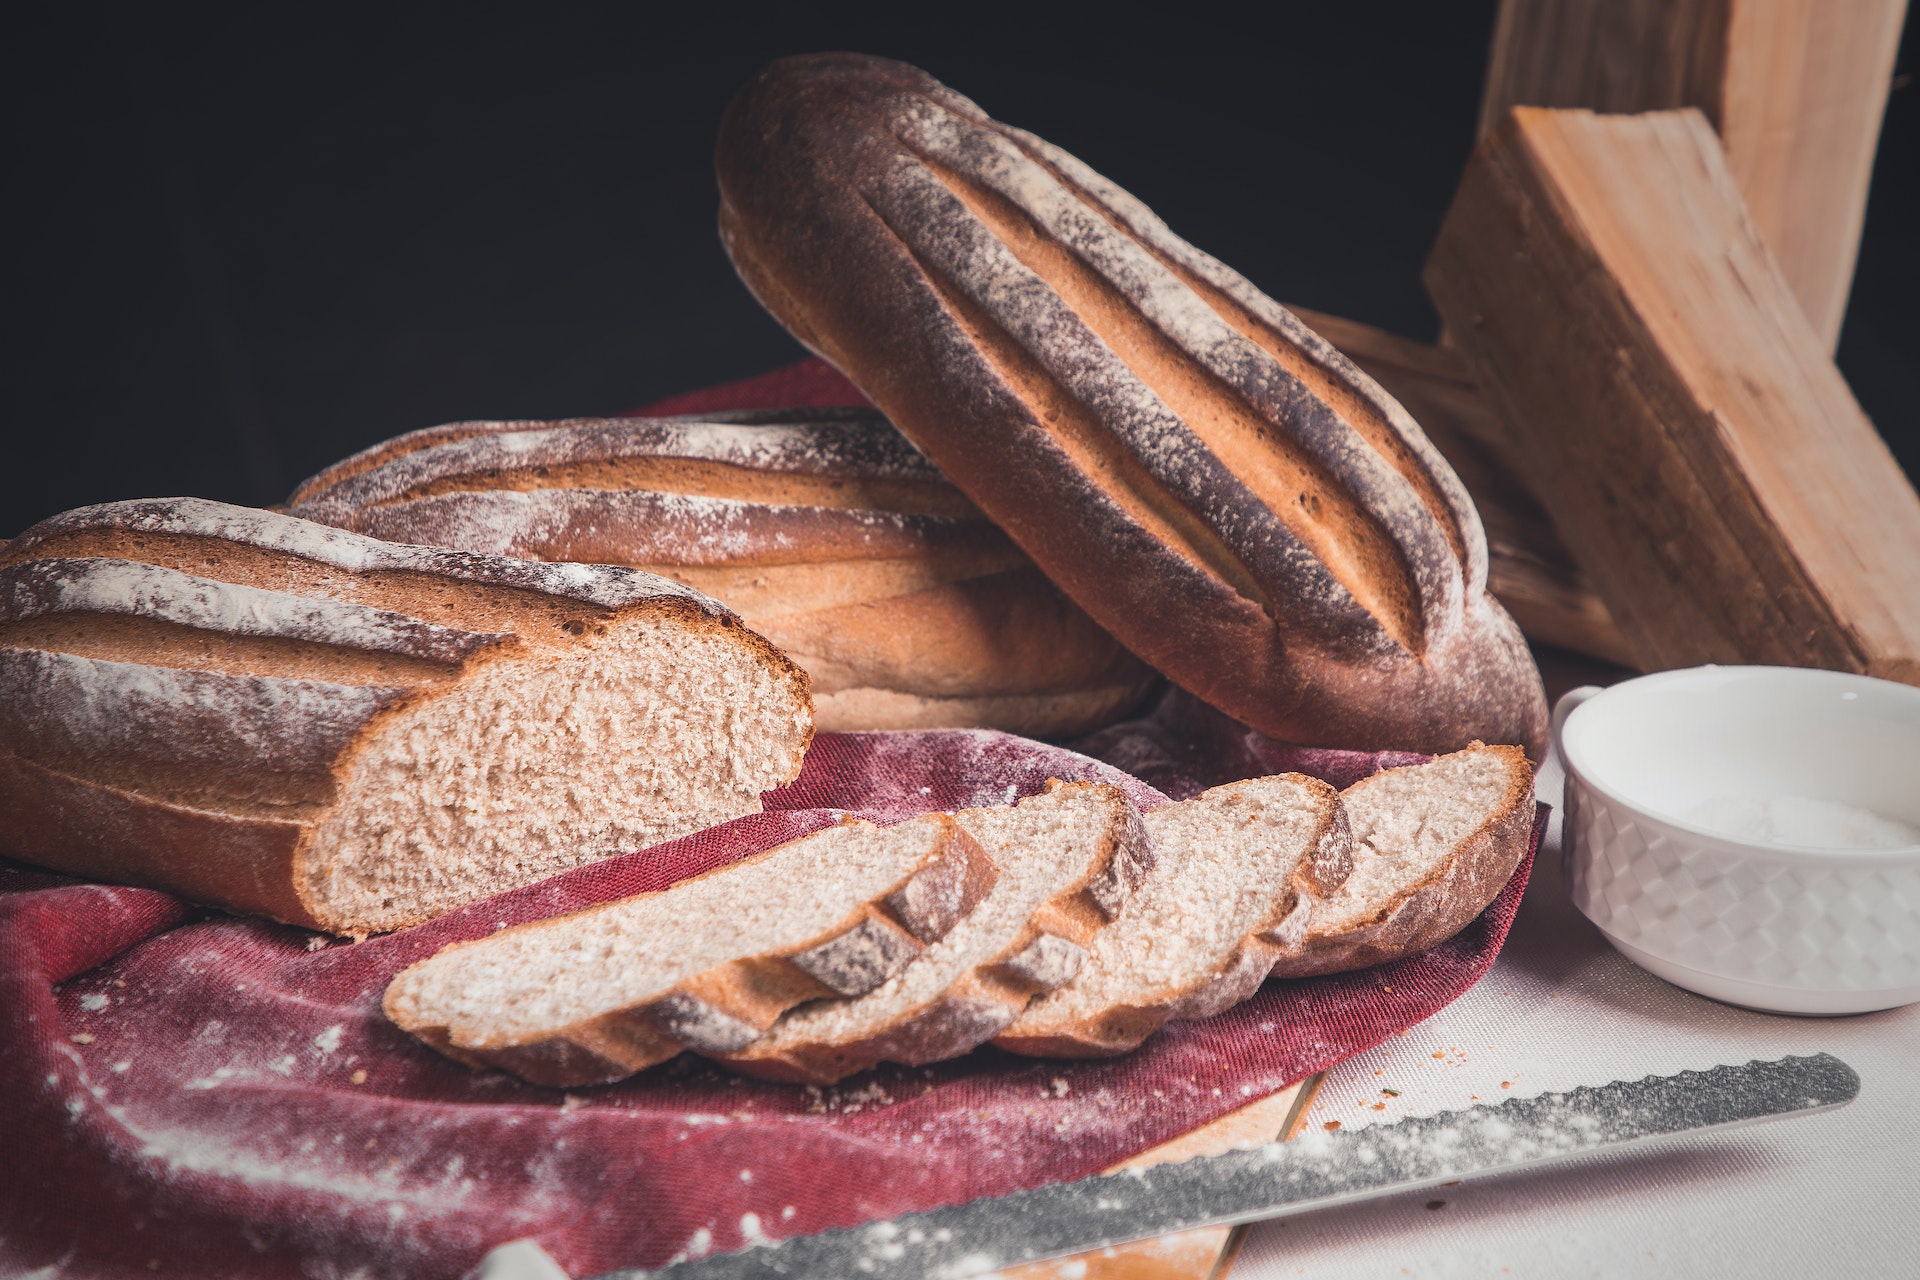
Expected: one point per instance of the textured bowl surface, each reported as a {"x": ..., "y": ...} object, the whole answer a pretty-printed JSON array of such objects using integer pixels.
[{"x": 1791, "y": 927}]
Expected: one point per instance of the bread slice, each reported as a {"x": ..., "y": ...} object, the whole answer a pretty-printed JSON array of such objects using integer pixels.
[
  {"x": 1235, "y": 873},
  {"x": 284, "y": 718},
  {"x": 1433, "y": 844},
  {"x": 708, "y": 964},
  {"x": 833, "y": 537},
  {"x": 1070, "y": 861}
]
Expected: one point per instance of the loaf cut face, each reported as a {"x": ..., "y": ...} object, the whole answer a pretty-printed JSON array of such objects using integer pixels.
[
  {"x": 829, "y": 532},
  {"x": 1069, "y": 862},
  {"x": 283, "y": 718},
  {"x": 1433, "y": 844},
  {"x": 1203, "y": 474},
  {"x": 1235, "y": 876},
  {"x": 706, "y": 964}
]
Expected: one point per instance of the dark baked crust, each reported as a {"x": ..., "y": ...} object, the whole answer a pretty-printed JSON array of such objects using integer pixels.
[{"x": 1206, "y": 477}]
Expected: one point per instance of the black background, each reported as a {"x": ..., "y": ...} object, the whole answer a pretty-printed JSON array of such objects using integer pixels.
[{"x": 241, "y": 247}]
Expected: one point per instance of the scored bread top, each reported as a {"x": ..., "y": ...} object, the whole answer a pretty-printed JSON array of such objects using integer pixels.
[
  {"x": 211, "y": 699},
  {"x": 748, "y": 487},
  {"x": 270, "y": 543},
  {"x": 1207, "y": 477},
  {"x": 825, "y": 528}
]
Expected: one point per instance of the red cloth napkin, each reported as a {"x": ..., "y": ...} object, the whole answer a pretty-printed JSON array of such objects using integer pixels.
[
  {"x": 811, "y": 383},
  {"x": 186, "y": 1092}
]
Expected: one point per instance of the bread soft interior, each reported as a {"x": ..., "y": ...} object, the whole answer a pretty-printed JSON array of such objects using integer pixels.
[
  {"x": 533, "y": 981},
  {"x": 1223, "y": 863},
  {"x": 547, "y": 760},
  {"x": 1044, "y": 846},
  {"x": 1407, "y": 824}
]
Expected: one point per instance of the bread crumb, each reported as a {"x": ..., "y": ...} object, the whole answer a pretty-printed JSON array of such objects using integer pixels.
[
  {"x": 81, "y": 1037},
  {"x": 358, "y": 1077}
]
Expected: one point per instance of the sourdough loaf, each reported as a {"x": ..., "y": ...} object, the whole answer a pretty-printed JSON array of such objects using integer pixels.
[
  {"x": 708, "y": 963},
  {"x": 1236, "y": 872},
  {"x": 1433, "y": 844},
  {"x": 283, "y": 718},
  {"x": 829, "y": 533},
  {"x": 1205, "y": 476},
  {"x": 1069, "y": 861}
]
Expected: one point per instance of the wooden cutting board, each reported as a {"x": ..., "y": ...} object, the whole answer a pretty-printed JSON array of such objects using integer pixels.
[{"x": 1206, "y": 1252}]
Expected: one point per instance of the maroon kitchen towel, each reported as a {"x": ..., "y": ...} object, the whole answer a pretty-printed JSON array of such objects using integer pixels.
[
  {"x": 184, "y": 1092},
  {"x": 811, "y": 383},
  {"x": 190, "y": 1092}
]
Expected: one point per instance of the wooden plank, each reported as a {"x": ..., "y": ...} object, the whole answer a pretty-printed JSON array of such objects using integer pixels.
[
  {"x": 1796, "y": 88},
  {"x": 1187, "y": 1255},
  {"x": 1529, "y": 568},
  {"x": 1703, "y": 456}
]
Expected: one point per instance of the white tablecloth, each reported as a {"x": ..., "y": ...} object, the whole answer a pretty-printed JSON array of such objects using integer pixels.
[{"x": 1833, "y": 1194}]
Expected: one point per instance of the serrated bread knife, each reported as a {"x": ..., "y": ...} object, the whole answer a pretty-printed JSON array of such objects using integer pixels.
[{"x": 1315, "y": 1171}]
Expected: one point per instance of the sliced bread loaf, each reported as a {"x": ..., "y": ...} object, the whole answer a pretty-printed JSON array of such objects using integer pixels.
[
  {"x": 1235, "y": 873},
  {"x": 1432, "y": 845},
  {"x": 284, "y": 718},
  {"x": 708, "y": 964},
  {"x": 1070, "y": 861}
]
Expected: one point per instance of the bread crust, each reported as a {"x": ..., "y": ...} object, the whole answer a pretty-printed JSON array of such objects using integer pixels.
[
  {"x": 983, "y": 1000},
  {"x": 185, "y": 684},
  {"x": 1432, "y": 911},
  {"x": 1206, "y": 477},
  {"x": 830, "y": 533},
  {"x": 728, "y": 1006}
]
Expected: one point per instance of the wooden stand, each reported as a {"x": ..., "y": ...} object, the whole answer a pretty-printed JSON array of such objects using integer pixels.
[
  {"x": 1205, "y": 1251},
  {"x": 1796, "y": 89},
  {"x": 1705, "y": 460},
  {"x": 1529, "y": 568}
]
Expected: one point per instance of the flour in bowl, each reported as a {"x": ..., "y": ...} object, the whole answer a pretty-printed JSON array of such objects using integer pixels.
[{"x": 1799, "y": 820}]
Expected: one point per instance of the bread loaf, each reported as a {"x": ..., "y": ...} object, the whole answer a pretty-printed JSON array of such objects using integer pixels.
[
  {"x": 1433, "y": 844},
  {"x": 1070, "y": 861},
  {"x": 283, "y": 718},
  {"x": 1236, "y": 872},
  {"x": 1205, "y": 476},
  {"x": 709, "y": 963},
  {"x": 830, "y": 534}
]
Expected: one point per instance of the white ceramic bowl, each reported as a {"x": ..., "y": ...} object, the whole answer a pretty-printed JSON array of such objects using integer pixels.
[{"x": 1704, "y": 826}]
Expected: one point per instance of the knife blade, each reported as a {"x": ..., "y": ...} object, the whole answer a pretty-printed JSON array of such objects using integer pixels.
[{"x": 1315, "y": 1171}]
